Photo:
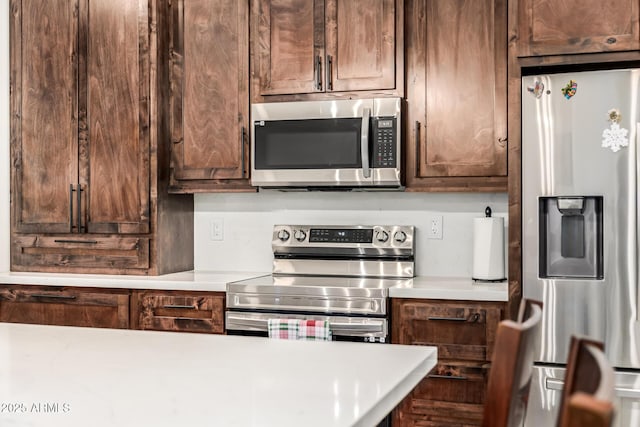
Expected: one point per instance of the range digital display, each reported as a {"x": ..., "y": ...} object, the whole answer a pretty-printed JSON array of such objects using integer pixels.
[{"x": 333, "y": 235}]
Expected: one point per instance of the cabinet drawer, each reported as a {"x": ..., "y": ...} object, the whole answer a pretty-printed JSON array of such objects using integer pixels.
[
  {"x": 461, "y": 331},
  {"x": 450, "y": 395},
  {"x": 64, "y": 253},
  {"x": 64, "y": 306},
  {"x": 181, "y": 312}
]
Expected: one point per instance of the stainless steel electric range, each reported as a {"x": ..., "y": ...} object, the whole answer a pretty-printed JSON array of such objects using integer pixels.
[{"x": 337, "y": 273}]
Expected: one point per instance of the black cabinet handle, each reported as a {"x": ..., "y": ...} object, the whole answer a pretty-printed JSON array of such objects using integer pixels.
[
  {"x": 86, "y": 242},
  {"x": 242, "y": 142},
  {"x": 71, "y": 190},
  {"x": 54, "y": 296},
  {"x": 448, "y": 319},
  {"x": 448, "y": 377},
  {"x": 473, "y": 318},
  {"x": 611, "y": 40},
  {"x": 178, "y": 306},
  {"x": 318, "y": 67},
  {"x": 79, "y": 219},
  {"x": 329, "y": 77},
  {"x": 417, "y": 136}
]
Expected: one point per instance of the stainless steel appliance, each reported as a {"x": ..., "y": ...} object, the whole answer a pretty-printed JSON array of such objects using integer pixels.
[
  {"x": 580, "y": 226},
  {"x": 338, "y": 273},
  {"x": 344, "y": 144}
]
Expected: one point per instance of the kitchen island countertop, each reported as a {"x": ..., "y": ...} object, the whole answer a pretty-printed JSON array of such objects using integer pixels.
[
  {"x": 65, "y": 376},
  {"x": 450, "y": 288}
]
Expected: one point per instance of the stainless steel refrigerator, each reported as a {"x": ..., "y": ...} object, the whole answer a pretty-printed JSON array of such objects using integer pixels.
[{"x": 580, "y": 213}]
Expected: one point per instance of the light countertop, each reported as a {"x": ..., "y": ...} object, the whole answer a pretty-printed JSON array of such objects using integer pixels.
[
  {"x": 184, "y": 281},
  {"x": 64, "y": 376},
  {"x": 452, "y": 288}
]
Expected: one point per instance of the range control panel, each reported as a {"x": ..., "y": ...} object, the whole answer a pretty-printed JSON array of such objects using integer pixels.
[{"x": 332, "y": 236}]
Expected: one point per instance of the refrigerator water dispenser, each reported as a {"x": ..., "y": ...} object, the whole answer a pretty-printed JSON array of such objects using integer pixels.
[{"x": 571, "y": 237}]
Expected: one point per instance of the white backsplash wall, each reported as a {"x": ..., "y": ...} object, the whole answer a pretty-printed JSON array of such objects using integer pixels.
[
  {"x": 248, "y": 220},
  {"x": 4, "y": 136}
]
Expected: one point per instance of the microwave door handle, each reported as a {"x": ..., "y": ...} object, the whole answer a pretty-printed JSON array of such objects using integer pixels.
[{"x": 364, "y": 142}]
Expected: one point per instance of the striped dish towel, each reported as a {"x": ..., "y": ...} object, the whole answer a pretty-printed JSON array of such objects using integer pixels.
[
  {"x": 316, "y": 330},
  {"x": 284, "y": 329}
]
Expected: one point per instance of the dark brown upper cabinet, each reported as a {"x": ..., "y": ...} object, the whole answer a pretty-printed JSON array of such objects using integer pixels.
[
  {"x": 84, "y": 132},
  {"x": 209, "y": 95},
  {"x": 456, "y": 95},
  {"x": 318, "y": 46},
  {"x": 577, "y": 26},
  {"x": 81, "y": 148}
]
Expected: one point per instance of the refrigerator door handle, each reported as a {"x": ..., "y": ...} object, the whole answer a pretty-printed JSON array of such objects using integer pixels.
[
  {"x": 555, "y": 384},
  {"x": 637, "y": 169}
]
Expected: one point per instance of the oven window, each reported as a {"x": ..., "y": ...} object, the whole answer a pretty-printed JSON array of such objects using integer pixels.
[{"x": 308, "y": 144}]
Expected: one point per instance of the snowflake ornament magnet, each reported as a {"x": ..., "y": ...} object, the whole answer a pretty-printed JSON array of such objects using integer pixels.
[{"x": 615, "y": 137}]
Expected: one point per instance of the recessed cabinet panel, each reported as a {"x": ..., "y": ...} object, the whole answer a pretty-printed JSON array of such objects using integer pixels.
[
  {"x": 360, "y": 40},
  {"x": 180, "y": 311},
  {"x": 64, "y": 306},
  {"x": 577, "y": 26},
  {"x": 465, "y": 131},
  {"x": 44, "y": 140},
  {"x": 114, "y": 161},
  {"x": 290, "y": 36},
  {"x": 210, "y": 95}
]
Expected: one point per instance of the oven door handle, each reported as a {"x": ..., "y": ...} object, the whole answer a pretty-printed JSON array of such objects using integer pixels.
[
  {"x": 370, "y": 327},
  {"x": 236, "y": 321},
  {"x": 254, "y": 324},
  {"x": 364, "y": 142}
]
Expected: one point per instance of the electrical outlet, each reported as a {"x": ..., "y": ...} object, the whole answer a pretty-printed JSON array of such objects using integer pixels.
[
  {"x": 434, "y": 227},
  {"x": 217, "y": 229}
]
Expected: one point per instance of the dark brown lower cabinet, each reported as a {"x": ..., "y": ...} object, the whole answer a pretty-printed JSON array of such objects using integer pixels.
[
  {"x": 65, "y": 306},
  {"x": 178, "y": 311},
  {"x": 453, "y": 393}
]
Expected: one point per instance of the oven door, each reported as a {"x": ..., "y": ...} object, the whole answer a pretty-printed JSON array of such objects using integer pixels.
[
  {"x": 340, "y": 143},
  {"x": 362, "y": 329}
]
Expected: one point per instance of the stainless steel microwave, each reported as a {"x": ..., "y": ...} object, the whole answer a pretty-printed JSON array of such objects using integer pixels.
[{"x": 341, "y": 144}]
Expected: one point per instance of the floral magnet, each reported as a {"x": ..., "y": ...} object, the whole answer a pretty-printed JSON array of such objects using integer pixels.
[
  {"x": 570, "y": 89},
  {"x": 537, "y": 89},
  {"x": 615, "y": 137}
]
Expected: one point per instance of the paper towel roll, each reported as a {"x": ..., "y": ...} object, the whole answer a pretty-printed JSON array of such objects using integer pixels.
[{"x": 488, "y": 249}]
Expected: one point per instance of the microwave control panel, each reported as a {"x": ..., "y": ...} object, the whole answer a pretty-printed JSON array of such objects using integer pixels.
[{"x": 384, "y": 142}]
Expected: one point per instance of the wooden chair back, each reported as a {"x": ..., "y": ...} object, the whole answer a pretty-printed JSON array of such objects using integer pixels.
[
  {"x": 514, "y": 350},
  {"x": 589, "y": 386},
  {"x": 586, "y": 411}
]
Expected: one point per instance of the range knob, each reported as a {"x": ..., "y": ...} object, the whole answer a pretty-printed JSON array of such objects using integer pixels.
[
  {"x": 299, "y": 235},
  {"x": 283, "y": 235},
  {"x": 382, "y": 236},
  {"x": 400, "y": 236}
]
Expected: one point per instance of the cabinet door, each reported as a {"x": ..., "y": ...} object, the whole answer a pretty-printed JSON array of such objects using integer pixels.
[
  {"x": 210, "y": 96},
  {"x": 114, "y": 115},
  {"x": 360, "y": 44},
  {"x": 180, "y": 311},
  {"x": 464, "y": 127},
  {"x": 451, "y": 395},
  {"x": 577, "y": 26},
  {"x": 44, "y": 127},
  {"x": 464, "y": 332},
  {"x": 290, "y": 46},
  {"x": 64, "y": 306}
]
